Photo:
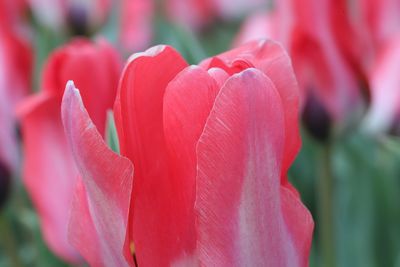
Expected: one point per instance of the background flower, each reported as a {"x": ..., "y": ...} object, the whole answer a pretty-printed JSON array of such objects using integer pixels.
[{"x": 49, "y": 172}]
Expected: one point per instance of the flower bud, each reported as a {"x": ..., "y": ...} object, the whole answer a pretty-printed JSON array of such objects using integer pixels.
[{"x": 316, "y": 118}]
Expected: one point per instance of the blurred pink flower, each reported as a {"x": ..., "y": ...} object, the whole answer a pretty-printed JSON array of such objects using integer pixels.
[
  {"x": 12, "y": 12},
  {"x": 136, "y": 27},
  {"x": 384, "y": 78},
  {"x": 191, "y": 13},
  {"x": 16, "y": 60},
  {"x": 373, "y": 48},
  {"x": 381, "y": 18},
  {"x": 49, "y": 172},
  {"x": 377, "y": 23},
  {"x": 307, "y": 29}
]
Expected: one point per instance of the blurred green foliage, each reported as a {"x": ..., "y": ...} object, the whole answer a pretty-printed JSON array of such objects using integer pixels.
[
  {"x": 366, "y": 197},
  {"x": 21, "y": 241}
]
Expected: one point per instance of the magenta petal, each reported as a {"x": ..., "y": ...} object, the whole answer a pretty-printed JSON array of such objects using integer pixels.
[{"x": 107, "y": 179}]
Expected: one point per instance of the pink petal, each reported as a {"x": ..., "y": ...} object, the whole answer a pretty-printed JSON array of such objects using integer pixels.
[
  {"x": 107, "y": 179},
  {"x": 219, "y": 76},
  {"x": 242, "y": 218},
  {"x": 81, "y": 229},
  {"x": 188, "y": 100},
  {"x": 272, "y": 59},
  {"x": 155, "y": 229}
]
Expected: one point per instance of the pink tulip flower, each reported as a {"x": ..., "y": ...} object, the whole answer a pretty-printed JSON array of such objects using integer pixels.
[{"x": 211, "y": 146}]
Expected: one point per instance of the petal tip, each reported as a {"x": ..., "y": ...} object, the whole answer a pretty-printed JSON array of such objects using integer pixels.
[
  {"x": 151, "y": 52},
  {"x": 70, "y": 88}
]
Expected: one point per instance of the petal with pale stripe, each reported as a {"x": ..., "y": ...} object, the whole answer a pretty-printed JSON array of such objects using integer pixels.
[
  {"x": 240, "y": 211},
  {"x": 107, "y": 180}
]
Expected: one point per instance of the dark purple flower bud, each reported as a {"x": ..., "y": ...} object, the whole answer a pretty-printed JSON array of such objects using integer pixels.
[
  {"x": 78, "y": 20},
  {"x": 316, "y": 118}
]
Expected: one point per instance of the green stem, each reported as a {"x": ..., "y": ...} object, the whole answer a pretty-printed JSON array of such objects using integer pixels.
[
  {"x": 8, "y": 242},
  {"x": 325, "y": 209}
]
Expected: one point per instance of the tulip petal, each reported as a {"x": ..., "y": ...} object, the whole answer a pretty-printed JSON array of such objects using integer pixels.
[
  {"x": 242, "y": 218},
  {"x": 188, "y": 100},
  {"x": 299, "y": 223},
  {"x": 139, "y": 102},
  {"x": 219, "y": 75},
  {"x": 82, "y": 231},
  {"x": 159, "y": 236},
  {"x": 271, "y": 58},
  {"x": 107, "y": 179}
]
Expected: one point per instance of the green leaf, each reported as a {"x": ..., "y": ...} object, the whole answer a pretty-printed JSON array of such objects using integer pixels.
[{"x": 111, "y": 133}]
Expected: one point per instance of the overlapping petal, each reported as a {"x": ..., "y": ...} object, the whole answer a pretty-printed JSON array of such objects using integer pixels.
[
  {"x": 242, "y": 218},
  {"x": 159, "y": 235},
  {"x": 100, "y": 213},
  {"x": 271, "y": 58},
  {"x": 188, "y": 100}
]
